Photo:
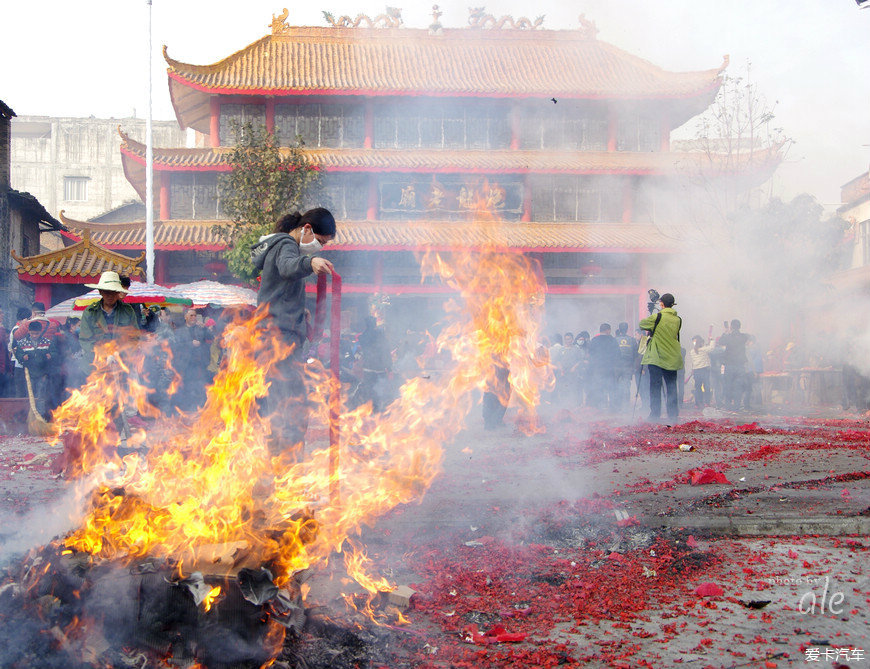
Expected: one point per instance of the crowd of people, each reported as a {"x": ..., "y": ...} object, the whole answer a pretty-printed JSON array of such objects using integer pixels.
[
  {"x": 55, "y": 358},
  {"x": 626, "y": 370},
  {"x": 621, "y": 372}
]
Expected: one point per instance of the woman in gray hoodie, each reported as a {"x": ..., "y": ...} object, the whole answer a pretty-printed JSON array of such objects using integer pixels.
[{"x": 285, "y": 259}]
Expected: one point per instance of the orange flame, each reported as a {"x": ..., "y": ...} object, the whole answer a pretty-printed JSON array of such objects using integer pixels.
[{"x": 207, "y": 492}]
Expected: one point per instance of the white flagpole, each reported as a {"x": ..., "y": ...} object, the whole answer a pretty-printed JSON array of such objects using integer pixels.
[{"x": 149, "y": 174}]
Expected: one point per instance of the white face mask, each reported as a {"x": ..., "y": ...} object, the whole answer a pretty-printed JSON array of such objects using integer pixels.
[{"x": 310, "y": 248}]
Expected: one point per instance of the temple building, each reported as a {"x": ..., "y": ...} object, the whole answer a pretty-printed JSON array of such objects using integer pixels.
[{"x": 564, "y": 138}]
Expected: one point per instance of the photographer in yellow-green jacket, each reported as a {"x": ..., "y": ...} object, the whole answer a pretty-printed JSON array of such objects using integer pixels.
[{"x": 663, "y": 358}]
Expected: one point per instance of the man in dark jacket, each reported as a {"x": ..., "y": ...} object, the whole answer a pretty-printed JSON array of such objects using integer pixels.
[
  {"x": 190, "y": 355},
  {"x": 603, "y": 363},
  {"x": 734, "y": 357},
  {"x": 37, "y": 352},
  {"x": 285, "y": 259}
]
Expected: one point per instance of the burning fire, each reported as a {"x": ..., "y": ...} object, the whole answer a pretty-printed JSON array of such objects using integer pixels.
[{"x": 206, "y": 496}]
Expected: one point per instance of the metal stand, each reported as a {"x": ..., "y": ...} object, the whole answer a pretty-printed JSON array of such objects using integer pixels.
[{"x": 334, "y": 368}]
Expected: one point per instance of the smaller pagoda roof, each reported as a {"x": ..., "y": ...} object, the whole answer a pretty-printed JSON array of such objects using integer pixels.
[
  {"x": 83, "y": 260},
  {"x": 404, "y": 236}
]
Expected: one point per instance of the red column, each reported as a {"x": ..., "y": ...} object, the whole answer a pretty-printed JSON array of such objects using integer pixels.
[
  {"x": 372, "y": 208},
  {"x": 515, "y": 127},
  {"x": 527, "y": 200},
  {"x": 42, "y": 293},
  {"x": 611, "y": 130},
  {"x": 165, "y": 213},
  {"x": 369, "y": 123},
  {"x": 215, "y": 121},
  {"x": 270, "y": 116},
  {"x": 379, "y": 271},
  {"x": 627, "y": 200},
  {"x": 160, "y": 267}
]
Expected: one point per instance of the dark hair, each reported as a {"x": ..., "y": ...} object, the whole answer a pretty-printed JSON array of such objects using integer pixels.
[
  {"x": 604, "y": 327},
  {"x": 125, "y": 281},
  {"x": 38, "y": 306},
  {"x": 735, "y": 324},
  {"x": 697, "y": 338},
  {"x": 583, "y": 335},
  {"x": 668, "y": 300},
  {"x": 23, "y": 313},
  {"x": 321, "y": 220},
  {"x": 622, "y": 328}
]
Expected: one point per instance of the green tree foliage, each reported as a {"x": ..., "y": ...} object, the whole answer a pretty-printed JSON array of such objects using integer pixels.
[{"x": 265, "y": 182}]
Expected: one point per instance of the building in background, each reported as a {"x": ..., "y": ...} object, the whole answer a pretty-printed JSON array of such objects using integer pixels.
[
  {"x": 855, "y": 210},
  {"x": 73, "y": 164},
  {"x": 22, "y": 221},
  {"x": 563, "y": 138}
]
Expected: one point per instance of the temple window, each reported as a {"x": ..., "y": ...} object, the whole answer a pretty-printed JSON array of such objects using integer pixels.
[
  {"x": 567, "y": 198},
  {"x": 346, "y": 195},
  {"x": 636, "y": 132},
  {"x": 568, "y": 129},
  {"x": 440, "y": 126},
  {"x": 240, "y": 114},
  {"x": 75, "y": 189},
  {"x": 320, "y": 125},
  {"x": 194, "y": 196}
]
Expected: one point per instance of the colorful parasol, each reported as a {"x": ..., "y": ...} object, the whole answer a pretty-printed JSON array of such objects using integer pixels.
[
  {"x": 141, "y": 293},
  {"x": 212, "y": 292},
  {"x": 65, "y": 309}
]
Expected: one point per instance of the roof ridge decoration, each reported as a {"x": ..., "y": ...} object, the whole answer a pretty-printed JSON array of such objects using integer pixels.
[
  {"x": 392, "y": 18},
  {"x": 436, "y": 28},
  {"x": 478, "y": 18},
  {"x": 588, "y": 29},
  {"x": 279, "y": 23}
]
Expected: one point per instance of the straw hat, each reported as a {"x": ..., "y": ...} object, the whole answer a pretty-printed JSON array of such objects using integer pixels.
[{"x": 109, "y": 281}]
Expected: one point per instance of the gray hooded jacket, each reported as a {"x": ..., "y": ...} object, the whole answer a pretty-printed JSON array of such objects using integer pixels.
[{"x": 283, "y": 269}]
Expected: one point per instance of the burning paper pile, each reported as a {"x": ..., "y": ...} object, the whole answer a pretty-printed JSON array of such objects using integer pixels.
[{"x": 203, "y": 495}]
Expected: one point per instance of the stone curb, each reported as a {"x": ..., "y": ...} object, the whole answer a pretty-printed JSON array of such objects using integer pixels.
[{"x": 761, "y": 526}]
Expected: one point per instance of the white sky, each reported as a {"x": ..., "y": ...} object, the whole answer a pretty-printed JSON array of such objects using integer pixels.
[{"x": 88, "y": 57}]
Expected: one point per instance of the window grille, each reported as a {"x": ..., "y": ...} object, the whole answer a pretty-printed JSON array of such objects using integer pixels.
[{"x": 75, "y": 189}]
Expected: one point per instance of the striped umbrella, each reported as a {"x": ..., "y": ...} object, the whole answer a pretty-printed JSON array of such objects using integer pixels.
[
  {"x": 142, "y": 293},
  {"x": 64, "y": 309},
  {"x": 213, "y": 292}
]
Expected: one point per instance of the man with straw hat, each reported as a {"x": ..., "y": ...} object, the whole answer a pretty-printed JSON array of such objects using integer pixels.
[{"x": 107, "y": 318}]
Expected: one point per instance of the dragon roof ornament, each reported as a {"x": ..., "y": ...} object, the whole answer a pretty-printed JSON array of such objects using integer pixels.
[
  {"x": 279, "y": 23},
  {"x": 478, "y": 18},
  {"x": 588, "y": 29},
  {"x": 392, "y": 18}
]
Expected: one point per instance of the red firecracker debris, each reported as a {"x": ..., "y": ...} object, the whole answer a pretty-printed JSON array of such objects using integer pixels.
[
  {"x": 709, "y": 590},
  {"x": 705, "y": 476}
]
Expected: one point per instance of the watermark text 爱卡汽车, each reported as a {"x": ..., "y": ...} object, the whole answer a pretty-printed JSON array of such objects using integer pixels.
[{"x": 830, "y": 654}]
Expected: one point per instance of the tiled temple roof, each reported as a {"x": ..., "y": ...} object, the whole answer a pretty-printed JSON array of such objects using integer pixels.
[{"x": 563, "y": 64}]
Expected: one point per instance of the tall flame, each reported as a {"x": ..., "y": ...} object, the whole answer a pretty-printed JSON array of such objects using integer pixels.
[{"x": 207, "y": 481}]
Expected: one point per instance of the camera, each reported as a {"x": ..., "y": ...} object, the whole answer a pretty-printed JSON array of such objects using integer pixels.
[{"x": 654, "y": 297}]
